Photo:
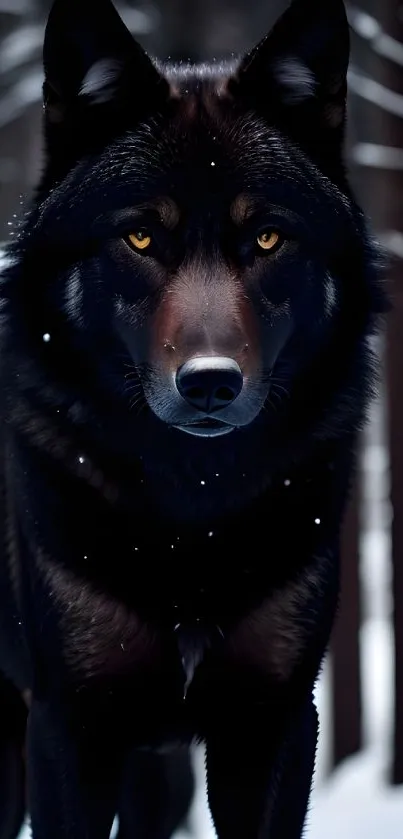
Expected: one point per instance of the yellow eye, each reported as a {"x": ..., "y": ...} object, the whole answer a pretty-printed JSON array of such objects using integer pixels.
[
  {"x": 268, "y": 240},
  {"x": 140, "y": 240}
]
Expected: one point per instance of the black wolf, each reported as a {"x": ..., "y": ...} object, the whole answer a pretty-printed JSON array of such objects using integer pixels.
[{"x": 186, "y": 327}]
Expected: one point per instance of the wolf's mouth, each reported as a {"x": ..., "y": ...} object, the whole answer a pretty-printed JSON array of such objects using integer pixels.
[{"x": 206, "y": 428}]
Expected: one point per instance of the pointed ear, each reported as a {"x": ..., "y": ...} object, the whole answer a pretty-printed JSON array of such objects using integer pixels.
[
  {"x": 94, "y": 69},
  {"x": 298, "y": 73}
]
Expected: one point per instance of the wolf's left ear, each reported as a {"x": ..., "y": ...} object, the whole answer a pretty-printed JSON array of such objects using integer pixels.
[
  {"x": 93, "y": 66},
  {"x": 298, "y": 73}
]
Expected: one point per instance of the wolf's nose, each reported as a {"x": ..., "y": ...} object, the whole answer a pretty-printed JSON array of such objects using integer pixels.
[{"x": 209, "y": 383}]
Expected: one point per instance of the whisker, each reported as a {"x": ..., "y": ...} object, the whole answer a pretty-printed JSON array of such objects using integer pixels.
[{"x": 278, "y": 387}]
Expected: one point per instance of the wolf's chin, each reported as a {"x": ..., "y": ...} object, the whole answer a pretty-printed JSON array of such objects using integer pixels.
[{"x": 206, "y": 430}]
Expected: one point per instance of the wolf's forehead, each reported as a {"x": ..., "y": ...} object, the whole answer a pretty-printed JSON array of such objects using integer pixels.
[{"x": 213, "y": 152}]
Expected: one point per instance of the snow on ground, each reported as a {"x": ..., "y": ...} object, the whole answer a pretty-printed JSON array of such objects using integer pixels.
[{"x": 357, "y": 803}]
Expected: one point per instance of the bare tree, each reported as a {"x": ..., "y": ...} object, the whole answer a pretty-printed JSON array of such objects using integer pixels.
[{"x": 376, "y": 82}]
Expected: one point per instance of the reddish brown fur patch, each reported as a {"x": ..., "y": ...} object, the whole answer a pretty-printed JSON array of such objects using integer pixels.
[
  {"x": 242, "y": 208},
  {"x": 273, "y": 638},
  {"x": 102, "y": 636},
  {"x": 166, "y": 208},
  {"x": 190, "y": 107},
  {"x": 168, "y": 211},
  {"x": 205, "y": 313},
  {"x": 174, "y": 91}
]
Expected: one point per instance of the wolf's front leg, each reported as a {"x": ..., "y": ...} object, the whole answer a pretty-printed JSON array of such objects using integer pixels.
[
  {"x": 259, "y": 775},
  {"x": 73, "y": 774}
]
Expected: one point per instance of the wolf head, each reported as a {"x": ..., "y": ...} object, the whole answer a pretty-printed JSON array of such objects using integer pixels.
[{"x": 201, "y": 271}]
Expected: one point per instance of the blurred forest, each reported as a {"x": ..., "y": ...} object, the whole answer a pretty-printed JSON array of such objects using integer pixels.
[{"x": 215, "y": 29}]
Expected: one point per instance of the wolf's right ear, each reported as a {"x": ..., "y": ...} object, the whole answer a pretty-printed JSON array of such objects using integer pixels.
[
  {"x": 297, "y": 76},
  {"x": 94, "y": 66}
]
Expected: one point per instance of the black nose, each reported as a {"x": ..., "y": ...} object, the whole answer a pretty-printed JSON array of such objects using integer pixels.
[{"x": 209, "y": 384}]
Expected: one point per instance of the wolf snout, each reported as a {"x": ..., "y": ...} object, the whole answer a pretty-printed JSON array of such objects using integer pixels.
[{"x": 209, "y": 384}]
